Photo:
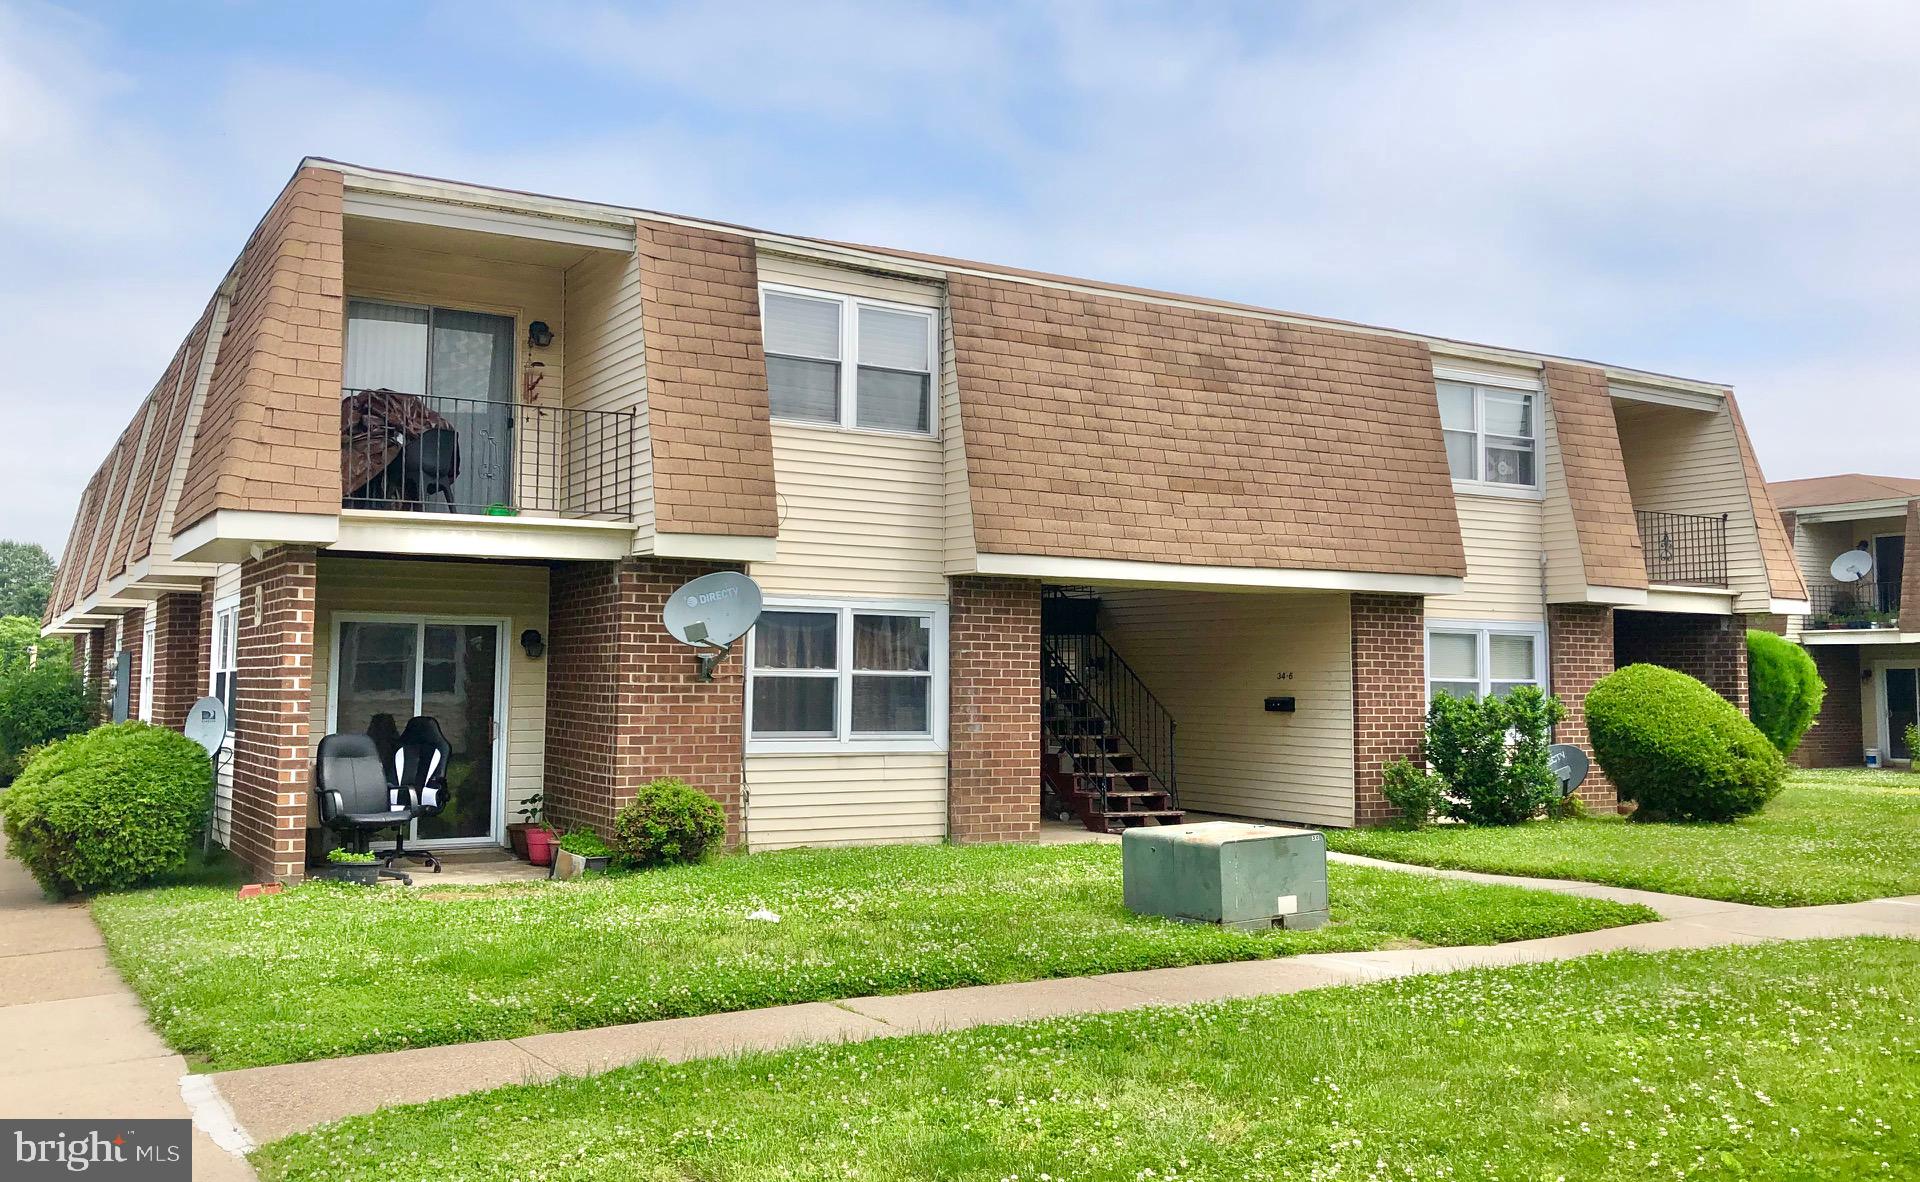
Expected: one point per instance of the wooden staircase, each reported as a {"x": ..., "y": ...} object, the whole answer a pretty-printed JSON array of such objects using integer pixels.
[{"x": 1090, "y": 766}]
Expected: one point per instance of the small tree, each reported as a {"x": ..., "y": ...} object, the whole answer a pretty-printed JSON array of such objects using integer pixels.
[
  {"x": 26, "y": 578},
  {"x": 1492, "y": 753},
  {"x": 1784, "y": 687},
  {"x": 39, "y": 705},
  {"x": 20, "y": 638}
]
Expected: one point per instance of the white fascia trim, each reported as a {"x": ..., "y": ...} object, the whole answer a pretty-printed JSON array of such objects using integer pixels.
[
  {"x": 1685, "y": 399},
  {"x": 423, "y": 210},
  {"x": 1701, "y": 601},
  {"x": 720, "y": 547},
  {"x": 1850, "y": 511},
  {"x": 1789, "y": 607},
  {"x": 477, "y": 535},
  {"x": 479, "y": 196},
  {"x": 1616, "y": 596},
  {"x": 1823, "y": 638},
  {"x": 1173, "y": 574},
  {"x": 229, "y": 535}
]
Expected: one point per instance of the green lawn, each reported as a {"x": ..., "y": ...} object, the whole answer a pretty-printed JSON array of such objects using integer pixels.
[
  {"x": 1788, "y": 1061},
  {"x": 326, "y": 970},
  {"x": 1829, "y": 837}
]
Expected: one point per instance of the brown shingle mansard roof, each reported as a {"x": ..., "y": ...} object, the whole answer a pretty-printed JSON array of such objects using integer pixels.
[{"x": 1844, "y": 489}]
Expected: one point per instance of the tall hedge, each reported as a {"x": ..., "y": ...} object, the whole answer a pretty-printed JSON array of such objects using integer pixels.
[
  {"x": 1784, "y": 687},
  {"x": 38, "y": 705},
  {"x": 1679, "y": 750},
  {"x": 108, "y": 808}
]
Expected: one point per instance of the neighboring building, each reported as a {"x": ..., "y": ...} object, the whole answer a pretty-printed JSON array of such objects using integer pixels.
[
  {"x": 995, "y": 513},
  {"x": 1867, "y": 648}
]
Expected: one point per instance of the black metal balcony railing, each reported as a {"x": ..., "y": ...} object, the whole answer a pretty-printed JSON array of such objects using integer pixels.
[
  {"x": 434, "y": 454},
  {"x": 1869, "y": 603},
  {"x": 1684, "y": 548}
]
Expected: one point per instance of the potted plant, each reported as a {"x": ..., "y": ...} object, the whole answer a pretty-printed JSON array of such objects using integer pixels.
[
  {"x": 344, "y": 865},
  {"x": 580, "y": 851},
  {"x": 530, "y": 818}
]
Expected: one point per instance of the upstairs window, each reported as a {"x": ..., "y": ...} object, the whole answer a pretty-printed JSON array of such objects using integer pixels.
[
  {"x": 1492, "y": 432},
  {"x": 810, "y": 339}
]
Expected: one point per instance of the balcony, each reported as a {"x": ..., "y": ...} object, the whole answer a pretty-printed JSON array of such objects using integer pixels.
[
  {"x": 1684, "y": 549},
  {"x": 421, "y": 453},
  {"x": 1853, "y": 607}
]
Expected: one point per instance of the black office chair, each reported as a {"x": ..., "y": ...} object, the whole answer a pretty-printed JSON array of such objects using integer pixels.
[
  {"x": 428, "y": 464},
  {"x": 385, "y": 733},
  {"x": 420, "y": 772},
  {"x": 356, "y": 797}
]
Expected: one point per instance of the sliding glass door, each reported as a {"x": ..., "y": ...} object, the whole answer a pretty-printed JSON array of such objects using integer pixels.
[{"x": 391, "y": 668}]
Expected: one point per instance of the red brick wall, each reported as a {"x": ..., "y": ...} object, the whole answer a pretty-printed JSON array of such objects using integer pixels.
[
  {"x": 177, "y": 653},
  {"x": 993, "y": 773},
  {"x": 1389, "y": 694},
  {"x": 272, "y": 697},
  {"x": 623, "y": 703},
  {"x": 1580, "y": 653},
  {"x": 1838, "y": 738},
  {"x": 90, "y": 654},
  {"x": 1711, "y": 648}
]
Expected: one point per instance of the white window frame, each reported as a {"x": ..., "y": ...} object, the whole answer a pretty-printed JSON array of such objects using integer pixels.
[
  {"x": 1484, "y": 631},
  {"x": 1483, "y": 382},
  {"x": 850, "y": 306},
  {"x": 843, "y": 739},
  {"x": 149, "y": 632},
  {"x": 224, "y": 657}
]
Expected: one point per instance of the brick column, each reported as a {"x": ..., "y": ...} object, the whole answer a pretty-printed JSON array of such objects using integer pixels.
[
  {"x": 272, "y": 760},
  {"x": 1910, "y": 573},
  {"x": 1389, "y": 694},
  {"x": 93, "y": 668},
  {"x": 624, "y": 705},
  {"x": 1837, "y": 738},
  {"x": 1710, "y": 648},
  {"x": 133, "y": 638},
  {"x": 1579, "y": 654},
  {"x": 178, "y": 648},
  {"x": 993, "y": 709}
]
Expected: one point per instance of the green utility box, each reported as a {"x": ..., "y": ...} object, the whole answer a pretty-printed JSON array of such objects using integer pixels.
[{"x": 1239, "y": 876}]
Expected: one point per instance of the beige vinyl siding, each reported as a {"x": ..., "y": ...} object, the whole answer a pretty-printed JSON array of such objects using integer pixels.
[
  {"x": 1212, "y": 660},
  {"x": 1503, "y": 537},
  {"x": 962, "y": 555},
  {"x": 845, "y": 799},
  {"x": 488, "y": 590},
  {"x": 525, "y": 291},
  {"x": 1559, "y": 536},
  {"x": 226, "y": 593},
  {"x": 1688, "y": 461},
  {"x": 799, "y": 272},
  {"x": 606, "y": 359}
]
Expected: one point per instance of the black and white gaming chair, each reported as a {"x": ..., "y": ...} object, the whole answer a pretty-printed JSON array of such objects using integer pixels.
[{"x": 420, "y": 774}]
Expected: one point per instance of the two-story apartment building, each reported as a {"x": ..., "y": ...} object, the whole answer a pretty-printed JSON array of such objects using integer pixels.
[
  {"x": 1866, "y": 647},
  {"x": 435, "y": 448}
]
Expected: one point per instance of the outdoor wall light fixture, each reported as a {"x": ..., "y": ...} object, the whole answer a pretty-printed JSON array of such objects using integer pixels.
[
  {"x": 539, "y": 335},
  {"x": 534, "y": 643}
]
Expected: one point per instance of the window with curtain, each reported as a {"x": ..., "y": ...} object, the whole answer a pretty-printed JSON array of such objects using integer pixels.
[
  {"x": 1482, "y": 660},
  {"x": 844, "y": 674},
  {"x": 442, "y": 352},
  {"x": 809, "y": 338},
  {"x": 1491, "y": 433}
]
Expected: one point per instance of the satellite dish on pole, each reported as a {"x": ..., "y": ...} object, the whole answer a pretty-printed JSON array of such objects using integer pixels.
[
  {"x": 1569, "y": 766},
  {"x": 712, "y": 612},
  {"x": 1851, "y": 567},
  {"x": 207, "y": 724}
]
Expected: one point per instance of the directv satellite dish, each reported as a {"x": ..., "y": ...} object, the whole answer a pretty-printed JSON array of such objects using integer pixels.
[
  {"x": 712, "y": 612},
  {"x": 1851, "y": 567},
  {"x": 1569, "y": 766},
  {"x": 207, "y": 724}
]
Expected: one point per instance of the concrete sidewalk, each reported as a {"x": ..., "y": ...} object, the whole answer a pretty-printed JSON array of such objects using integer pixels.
[
  {"x": 74, "y": 1041},
  {"x": 271, "y": 1102}
]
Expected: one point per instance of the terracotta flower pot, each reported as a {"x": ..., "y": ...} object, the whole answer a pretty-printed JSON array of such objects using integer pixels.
[
  {"x": 540, "y": 846},
  {"x": 517, "y": 838}
]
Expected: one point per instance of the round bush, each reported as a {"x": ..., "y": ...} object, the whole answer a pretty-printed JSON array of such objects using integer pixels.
[
  {"x": 38, "y": 704},
  {"x": 667, "y": 821},
  {"x": 1679, "y": 750},
  {"x": 1785, "y": 688},
  {"x": 108, "y": 808}
]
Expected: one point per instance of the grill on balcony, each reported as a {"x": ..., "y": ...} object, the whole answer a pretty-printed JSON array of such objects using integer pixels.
[
  {"x": 1848, "y": 606},
  {"x": 432, "y": 454},
  {"x": 1687, "y": 549}
]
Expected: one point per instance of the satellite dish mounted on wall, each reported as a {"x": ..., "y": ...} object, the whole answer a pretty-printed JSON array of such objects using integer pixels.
[
  {"x": 207, "y": 724},
  {"x": 712, "y": 612},
  {"x": 1851, "y": 567}
]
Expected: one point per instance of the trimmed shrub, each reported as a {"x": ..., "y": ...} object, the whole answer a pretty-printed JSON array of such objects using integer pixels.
[
  {"x": 667, "y": 821},
  {"x": 38, "y": 705},
  {"x": 1784, "y": 687},
  {"x": 1492, "y": 754},
  {"x": 1415, "y": 791},
  {"x": 108, "y": 808},
  {"x": 1679, "y": 750}
]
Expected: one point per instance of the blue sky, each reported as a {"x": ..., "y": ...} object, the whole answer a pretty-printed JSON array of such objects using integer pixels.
[{"x": 1725, "y": 190}]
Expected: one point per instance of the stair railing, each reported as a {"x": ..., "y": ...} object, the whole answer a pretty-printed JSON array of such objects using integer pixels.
[{"x": 1110, "y": 685}]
